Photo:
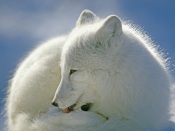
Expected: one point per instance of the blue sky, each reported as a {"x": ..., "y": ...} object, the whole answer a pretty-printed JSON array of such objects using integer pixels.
[{"x": 25, "y": 24}]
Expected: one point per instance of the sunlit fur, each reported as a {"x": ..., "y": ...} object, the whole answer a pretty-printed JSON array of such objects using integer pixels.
[{"x": 119, "y": 71}]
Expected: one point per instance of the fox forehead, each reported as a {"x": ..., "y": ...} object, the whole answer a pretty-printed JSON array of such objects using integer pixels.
[
  {"x": 78, "y": 50},
  {"x": 89, "y": 46},
  {"x": 83, "y": 54},
  {"x": 82, "y": 37}
]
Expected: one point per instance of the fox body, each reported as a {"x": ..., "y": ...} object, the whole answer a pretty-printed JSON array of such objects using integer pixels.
[{"x": 104, "y": 63}]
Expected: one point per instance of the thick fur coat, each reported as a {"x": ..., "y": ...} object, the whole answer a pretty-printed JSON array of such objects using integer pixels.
[{"x": 102, "y": 62}]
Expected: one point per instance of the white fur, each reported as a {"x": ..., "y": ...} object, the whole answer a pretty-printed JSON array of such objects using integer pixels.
[{"x": 118, "y": 71}]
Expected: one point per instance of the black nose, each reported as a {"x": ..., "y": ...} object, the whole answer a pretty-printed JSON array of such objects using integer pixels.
[{"x": 54, "y": 104}]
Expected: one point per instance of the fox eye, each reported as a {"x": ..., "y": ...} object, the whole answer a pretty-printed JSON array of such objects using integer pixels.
[{"x": 72, "y": 71}]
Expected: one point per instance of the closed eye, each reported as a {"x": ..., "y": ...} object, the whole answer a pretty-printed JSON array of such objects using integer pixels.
[{"x": 72, "y": 71}]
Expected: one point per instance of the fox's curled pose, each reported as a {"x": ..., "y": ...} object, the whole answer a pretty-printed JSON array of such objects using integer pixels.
[{"x": 104, "y": 76}]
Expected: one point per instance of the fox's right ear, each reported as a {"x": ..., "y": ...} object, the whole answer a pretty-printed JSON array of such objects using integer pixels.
[
  {"x": 86, "y": 17},
  {"x": 111, "y": 27}
]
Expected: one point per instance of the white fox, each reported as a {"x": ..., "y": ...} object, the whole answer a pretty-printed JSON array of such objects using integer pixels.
[{"x": 105, "y": 75}]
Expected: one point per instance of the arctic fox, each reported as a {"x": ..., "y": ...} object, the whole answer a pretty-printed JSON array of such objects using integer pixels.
[{"x": 105, "y": 75}]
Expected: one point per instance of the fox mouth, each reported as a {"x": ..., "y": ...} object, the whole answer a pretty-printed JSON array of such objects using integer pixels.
[
  {"x": 75, "y": 106},
  {"x": 85, "y": 107},
  {"x": 69, "y": 109}
]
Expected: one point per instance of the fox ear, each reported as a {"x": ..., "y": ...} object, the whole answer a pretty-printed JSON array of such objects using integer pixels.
[
  {"x": 85, "y": 17},
  {"x": 111, "y": 27}
]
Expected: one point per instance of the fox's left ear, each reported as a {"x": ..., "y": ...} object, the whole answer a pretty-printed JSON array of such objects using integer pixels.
[
  {"x": 86, "y": 17},
  {"x": 111, "y": 27}
]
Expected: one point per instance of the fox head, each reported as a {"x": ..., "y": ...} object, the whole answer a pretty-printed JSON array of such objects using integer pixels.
[{"x": 86, "y": 61}]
